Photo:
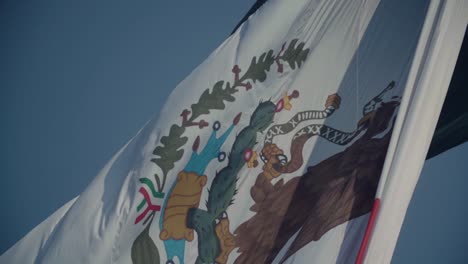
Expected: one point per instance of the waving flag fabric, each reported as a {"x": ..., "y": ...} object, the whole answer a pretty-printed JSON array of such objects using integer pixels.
[{"x": 278, "y": 148}]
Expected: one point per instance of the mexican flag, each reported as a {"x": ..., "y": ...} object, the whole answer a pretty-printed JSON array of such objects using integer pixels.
[{"x": 299, "y": 140}]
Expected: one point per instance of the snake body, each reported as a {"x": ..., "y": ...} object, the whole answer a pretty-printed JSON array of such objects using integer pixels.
[
  {"x": 282, "y": 129},
  {"x": 333, "y": 135},
  {"x": 302, "y": 136}
]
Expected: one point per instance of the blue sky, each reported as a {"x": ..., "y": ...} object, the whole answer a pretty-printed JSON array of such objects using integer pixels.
[{"x": 79, "y": 78}]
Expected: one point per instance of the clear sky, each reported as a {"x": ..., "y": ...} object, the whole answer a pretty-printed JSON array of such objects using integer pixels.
[{"x": 79, "y": 78}]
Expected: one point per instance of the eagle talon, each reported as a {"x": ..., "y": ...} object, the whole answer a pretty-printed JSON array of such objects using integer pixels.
[
  {"x": 333, "y": 100},
  {"x": 226, "y": 239}
]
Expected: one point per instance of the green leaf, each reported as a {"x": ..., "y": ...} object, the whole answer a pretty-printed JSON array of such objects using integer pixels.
[
  {"x": 214, "y": 100},
  {"x": 295, "y": 56},
  {"x": 144, "y": 250},
  {"x": 169, "y": 152},
  {"x": 258, "y": 68}
]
